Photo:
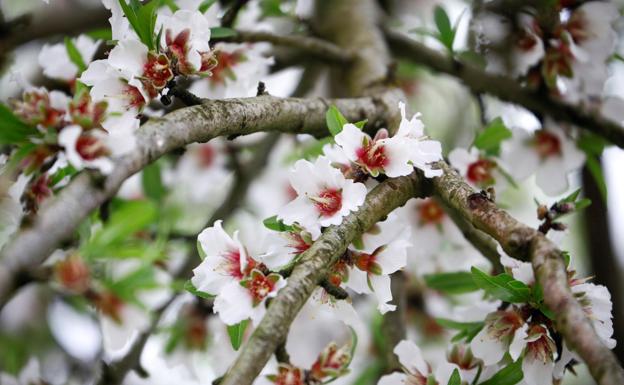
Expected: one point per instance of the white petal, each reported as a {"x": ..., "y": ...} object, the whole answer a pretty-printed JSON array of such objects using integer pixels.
[
  {"x": 490, "y": 350},
  {"x": 410, "y": 356},
  {"x": 518, "y": 343},
  {"x": 234, "y": 304},
  {"x": 393, "y": 379},
  {"x": 382, "y": 288},
  {"x": 537, "y": 372},
  {"x": 350, "y": 139}
]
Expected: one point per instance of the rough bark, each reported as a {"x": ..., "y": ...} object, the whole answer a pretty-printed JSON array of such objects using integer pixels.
[{"x": 523, "y": 242}]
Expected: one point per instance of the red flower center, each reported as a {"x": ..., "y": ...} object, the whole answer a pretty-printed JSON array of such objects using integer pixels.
[
  {"x": 73, "y": 274},
  {"x": 157, "y": 72},
  {"x": 328, "y": 202},
  {"x": 547, "y": 144},
  {"x": 260, "y": 286},
  {"x": 372, "y": 155},
  {"x": 480, "y": 171},
  {"x": 430, "y": 212},
  {"x": 90, "y": 147},
  {"x": 231, "y": 264},
  {"x": 225, "y": 62},
  {"x": 135, "y": 97},
  {"x": 365, "y": 261},
  {"x": 289, "y": 375}
]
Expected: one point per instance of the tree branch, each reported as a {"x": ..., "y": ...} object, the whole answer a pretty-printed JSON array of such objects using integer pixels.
[
  {"x": 506, "y": 88},
  {"x": 310, "y": 46},
  {"x": 59, "y": 218},
  {"x": 313, "y": 266},
  {"x": 523, "y": 242}
]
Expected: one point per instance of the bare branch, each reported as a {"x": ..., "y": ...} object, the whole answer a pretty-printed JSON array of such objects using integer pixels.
[
  {"x": 506, "y": 88},
  {"x": 523, "y": 242},
  {"x": 309, "y": 46},
  {"x": 60, "y": 217}
]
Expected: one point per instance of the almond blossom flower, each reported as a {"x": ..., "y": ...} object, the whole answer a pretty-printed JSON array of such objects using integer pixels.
[
  {"x": 503, "y": 331},
  {"x": 55, "y": 60},
  {"x": 230, "y": 273},
  {"x": 324, "y": 196},
  {"x": 383, "y": 252},
  {"x": 96, "y": 148},
  {"x": 547, "y": 152},
  {"x": 479, "y": 170},
  {"x": 186, "y": 35},
  {"x": 395, "y": 156}
]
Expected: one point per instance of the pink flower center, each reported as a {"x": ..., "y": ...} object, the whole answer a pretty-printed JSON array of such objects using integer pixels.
[
  {"x": 480, "y": 171},
  {"x": 134, "y": 97},
  {"x": 502, "y": 324},
  {"x": 90, "y": 147},
  {"x": 430, "y": 212},
  {"x": 547, "y": 144},
  {"x": 328, "y": 202},
  {"x": 542, "y": 348},
  {"x": 289, "y": 375},
  {"x": 372, "y": 155},
  {"x": 206, "y": 155},
  {"x": 231, "y": 264}
]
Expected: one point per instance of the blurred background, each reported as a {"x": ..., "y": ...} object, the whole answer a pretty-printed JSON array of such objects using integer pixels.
[{"x": 46, "y": 333}]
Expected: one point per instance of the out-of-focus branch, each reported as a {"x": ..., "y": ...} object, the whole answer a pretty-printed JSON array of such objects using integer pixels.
[
  {"x": 523, "y": 242},
  {"x": 310, "y": 46},
  {"x": 58, "y": 220},
  {"x": 486, "y": 245},
  {"x": 604, "y": 260},
  {"x": 230, "y": 16},
  {"x": 506, "y": 88},
  {"x": 393, "y": 323}
]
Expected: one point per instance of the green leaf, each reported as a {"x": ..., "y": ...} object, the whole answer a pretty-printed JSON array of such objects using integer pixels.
[
  {"x": 595, "y": 169},
  {"x": 502, "y": 286},
  {"x": 152, "y": 182},
  {"x": 591, "y": 143},
  {"x": 271, "y": 8},
  {"x": 101, "y": 34},
  {"x": 142, "y": 18},
  {"x": 467, "y": 330},
  {"x": 236, "y": 333},
  {"x": 171, "y": 4},
  {"x": 509, "y": 375},
  {"x": 335, "y": 120},
  {"x": 61, "y": 173},
  {"x": 489, "y": 140},
  {"x": 451, "y": 283},
  {"x": 74, "y": 55},
  {"x": 126, "y": 220},
  {"x": 582, "y": 204},
  {"x": 272, "y": 223},
  {"x": 128, "y": 286},
  {"x": 455, "y": 378},
  {"x": 572, "y": 197},
  {"x": 205, "y": 5},
  {"x": 217, "y": 32},
  {"x": 446, "y": 33},
  {"x": 361, "y": 124},
  {"x": 12, "y": 129},
  {"x": 188, "y": 286}
]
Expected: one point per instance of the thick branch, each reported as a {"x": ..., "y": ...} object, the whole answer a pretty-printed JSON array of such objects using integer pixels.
[
  {"x": 310, "y": 46},
  {"x": 60, "y": 217},
  {"x": 523, "y": 242},
  {"x": 506, "y": 88},
  {"x": 314, "y": 265}
]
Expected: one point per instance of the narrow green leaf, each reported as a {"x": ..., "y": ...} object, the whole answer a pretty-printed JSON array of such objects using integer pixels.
[
  {"x": 451, "y": 283},
  {"x": 361, "y": 124},
  {"x": 595, "y": 169},
  {"x": 152, "y": 182},
  {"x": 126, "y": 220},
  {"x": 572, "y": 197},
  {"x": 272, "y": 223},
  {"x": 101, "y": 34},
  {"x": 455, "y": 378},
  {"x": 205, "y": 5},
  {"x": 502, "y": 286},
  {"x": 129, "y": 285},
  {"x": 12, "y": 129},
  {"x": 217, "y": 32},
  {"x": 456, "y": 325},
  {"x": 188, "y": 286},
  {"x": 74, "y": 55},
  {"x": 445, "y": 30},
  {"x": 509, "y": 375},
  {"x": 335, "y": 120},
  {"x": 236, "y": 333},
  {"x": 172, "y": 5},
  {"x": 489, "y": 140}
]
